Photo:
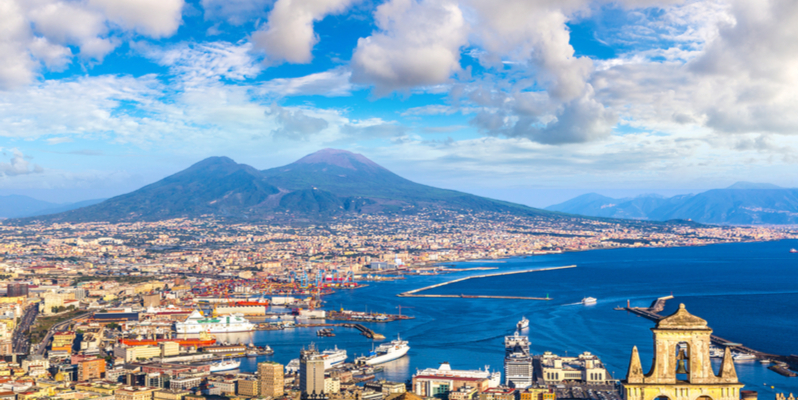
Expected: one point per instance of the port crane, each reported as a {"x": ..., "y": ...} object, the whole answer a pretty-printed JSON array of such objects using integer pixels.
[{"x": 400, "y": 310}]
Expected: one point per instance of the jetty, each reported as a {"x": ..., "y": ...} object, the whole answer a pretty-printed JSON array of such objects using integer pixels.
[
  {"x": 416, "y": 292},
  {"x": 652, "y": 313}
]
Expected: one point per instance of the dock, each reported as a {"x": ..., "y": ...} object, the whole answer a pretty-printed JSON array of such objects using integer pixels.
[
  {"x": 652, "y": 313},
  {"x": 363, "y": 329},
  {"x": 415, "y": 292}
]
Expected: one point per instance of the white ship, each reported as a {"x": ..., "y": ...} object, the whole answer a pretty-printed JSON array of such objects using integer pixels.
[
  {"x": 743, "y": 357},
  {"x": 197, "y": 323},
  {"x": 523, "y": 323},
  {"x": 293, "y": 366},
  {"x": 225, "y": 365},
  {"x": 587, "y": 301},
  {"x": 334, "y": 357},
  {"x": 386, "y": 352}
]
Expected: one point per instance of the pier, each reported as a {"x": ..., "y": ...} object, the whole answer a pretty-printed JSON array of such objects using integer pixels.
[
  {"x": 363, "y": 329},
  {"x": 652, "y": 313},
  {"x": 415, "y": 292}
]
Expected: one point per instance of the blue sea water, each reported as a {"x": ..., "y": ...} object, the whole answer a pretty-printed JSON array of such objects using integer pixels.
[{"x": 748, "y": 293}]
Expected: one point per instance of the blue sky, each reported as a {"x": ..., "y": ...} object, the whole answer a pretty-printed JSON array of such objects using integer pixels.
[{"x": 529, "y": 101}]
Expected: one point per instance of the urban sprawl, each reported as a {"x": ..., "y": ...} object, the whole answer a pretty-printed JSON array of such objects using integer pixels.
[{"x": 136, "y": 311}]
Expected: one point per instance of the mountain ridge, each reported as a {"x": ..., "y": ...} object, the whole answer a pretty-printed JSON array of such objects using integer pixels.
[
  {"x": 743, "y": 203},
  {"x": 323, "y": 184}
]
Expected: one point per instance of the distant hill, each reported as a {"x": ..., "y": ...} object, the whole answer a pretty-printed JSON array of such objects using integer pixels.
[
  {"x": 17, "y": 206},
  {"x": 743, "y": 203},
  {"x": 323, "y": 184}
]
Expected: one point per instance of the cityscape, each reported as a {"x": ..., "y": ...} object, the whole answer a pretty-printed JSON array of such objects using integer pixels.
[{"x": 399, "y": 200}]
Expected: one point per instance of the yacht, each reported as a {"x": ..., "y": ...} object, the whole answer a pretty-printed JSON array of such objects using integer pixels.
[
  {"x": 716, "y": 352},
  {"x": 587, "y": 301}
]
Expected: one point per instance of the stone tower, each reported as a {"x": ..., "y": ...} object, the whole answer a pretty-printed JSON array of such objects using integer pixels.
[{"x": 678, "y": 335}]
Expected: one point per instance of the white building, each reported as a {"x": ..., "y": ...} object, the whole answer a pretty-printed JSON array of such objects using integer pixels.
[{"x": 585, "y": 368}]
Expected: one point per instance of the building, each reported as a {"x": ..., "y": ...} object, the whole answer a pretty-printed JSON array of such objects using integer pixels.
[
  {"x": 91, "y": 369},
  {"x": 536, "y": 393},
  {"x": 248, "y": 388},
  {"x": 463, "y": 393},
  {"x": 433, "y": 382},
  {"x": 184, "y": 383},
  {"x": 676, "y": 374},
  {"x": 585, "y": 368},
  {"x": 332, "y": 385},
  {"x": 312, "y": 374},
  {"x": 498, "y": 393},
  {"x": 17, "y": 289},
  {"x": 270, "y": 376},
  {"x": 36, "y": 365},
  {"x": 378, "y": 265},
  {"x": 152, "y": 300},
  {"x": 134, "y": 393},
  {"x": 169, "y": 394}
]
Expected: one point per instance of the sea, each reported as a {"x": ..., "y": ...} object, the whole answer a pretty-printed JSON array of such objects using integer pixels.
[{"x": 748, "y": 293}]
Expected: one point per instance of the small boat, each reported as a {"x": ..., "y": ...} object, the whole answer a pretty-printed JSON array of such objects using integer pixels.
[
  {"x": 765, "y": 361},
  {"x": 587, "y": 301},
  {"x": 716, "y": 352},
  {"x": 523, "y": 323},
  {"x": 793, "y": 251}
]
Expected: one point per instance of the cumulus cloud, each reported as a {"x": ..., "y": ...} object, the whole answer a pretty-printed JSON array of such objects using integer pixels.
[
  {"x": 289, "y": 33},
  {"x": 418, "y": 43},
  {"x": 36, "y": 34},
  {"x": 19, "y": 165}
]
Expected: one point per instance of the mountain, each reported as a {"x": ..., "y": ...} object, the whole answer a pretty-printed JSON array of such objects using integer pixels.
[
  {"x": 16, "y": 206},
  {"x": 743, "y": 203},
  {"x": 216, "y": 185},
  {"x": 323, "y": 184}
]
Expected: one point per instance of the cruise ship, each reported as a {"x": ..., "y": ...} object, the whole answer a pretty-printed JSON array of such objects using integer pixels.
[
  {"x": 225, "y": 365},
  {"x": 334, "y": 357},
  {"x": 523, "y": 323},
  {"x": 386, "y": 352},
  {"x": 197, "y": 323}
]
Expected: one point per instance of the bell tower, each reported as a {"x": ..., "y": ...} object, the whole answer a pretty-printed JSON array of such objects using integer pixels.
[{"x": 681, "y": 368}]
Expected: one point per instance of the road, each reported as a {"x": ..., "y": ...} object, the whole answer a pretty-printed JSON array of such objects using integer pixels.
[
  {"x": 19, "y": 339},
  {"x": 42, "y": 347}
]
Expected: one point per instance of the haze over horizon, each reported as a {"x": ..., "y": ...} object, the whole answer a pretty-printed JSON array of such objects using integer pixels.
[{"x": 530, "y": 102}]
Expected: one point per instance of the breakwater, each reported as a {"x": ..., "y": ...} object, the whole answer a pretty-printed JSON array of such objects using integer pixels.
[
  {"x": 784, "y": 362},
  {"x": 416, "y": 292}
]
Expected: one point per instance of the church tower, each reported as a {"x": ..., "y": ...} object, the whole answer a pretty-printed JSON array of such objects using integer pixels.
[{"x": 681, "y": 368}]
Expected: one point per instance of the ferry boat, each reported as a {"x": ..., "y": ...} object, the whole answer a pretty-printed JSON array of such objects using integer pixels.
[
  {"x": 334, "y": 357},
  {"x": 522, "y": 324},
  {"x": 386, "y": 352},
  {"x": 587, "y": 301},
  {"x": 225, "y": 365},
  {"x": 197, "y": 323},
  {"x": 293, "y": 366},
  {"x": 743, "y": 357}
]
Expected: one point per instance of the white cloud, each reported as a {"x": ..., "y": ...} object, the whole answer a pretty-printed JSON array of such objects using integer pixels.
[
  {"x": 153, "y": 18},
  {"x": 289, "y": 33},
  {"x": 295, "y": 124},
  {"x": 18, "y": 165},
  {"x": 196, "y": 64},
  {"x": 418, "y": 43},
  {"x": 334, "y": 82},
  {"x": 38, "y": 33}
]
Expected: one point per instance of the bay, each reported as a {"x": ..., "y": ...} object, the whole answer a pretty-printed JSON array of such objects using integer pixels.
[{"x": 746, "y": 291}]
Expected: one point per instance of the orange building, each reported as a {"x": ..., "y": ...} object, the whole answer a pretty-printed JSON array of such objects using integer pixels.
[{"x": 91, "y": 369}]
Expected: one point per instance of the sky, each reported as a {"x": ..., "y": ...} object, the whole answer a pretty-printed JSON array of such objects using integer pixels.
[{"x": 533, "y": 101}]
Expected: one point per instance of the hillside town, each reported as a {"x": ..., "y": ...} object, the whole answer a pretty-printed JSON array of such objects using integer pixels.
[{"x": 129, "y": 311}]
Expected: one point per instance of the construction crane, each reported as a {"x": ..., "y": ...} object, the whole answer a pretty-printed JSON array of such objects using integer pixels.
[{"x": 400, "y": 308}]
